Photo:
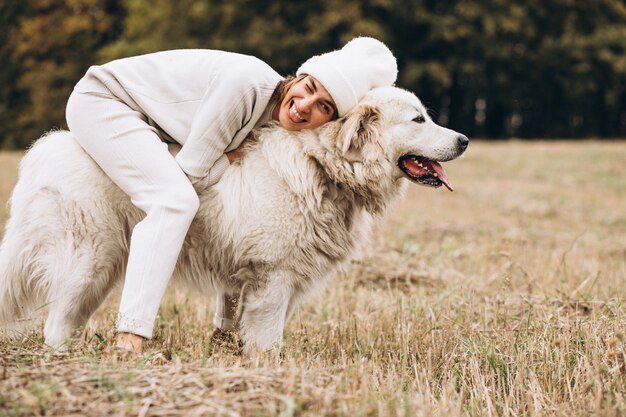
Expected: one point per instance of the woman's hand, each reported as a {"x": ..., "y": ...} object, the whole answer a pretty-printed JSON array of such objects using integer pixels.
[
  {"x": 234, "y": 155},
  {"x": 201, "y": 183}
]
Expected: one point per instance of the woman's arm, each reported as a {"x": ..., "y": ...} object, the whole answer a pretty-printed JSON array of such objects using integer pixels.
[{"x": 228, "y": 105}]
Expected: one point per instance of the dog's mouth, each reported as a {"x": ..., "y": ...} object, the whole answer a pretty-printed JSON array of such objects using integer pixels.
[{"x": 424, "y": 171}]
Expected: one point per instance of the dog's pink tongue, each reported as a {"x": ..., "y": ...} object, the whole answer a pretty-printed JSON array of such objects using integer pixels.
[
  {"x": 415, "y": 169},
  {"x": 441, "y": 173}
]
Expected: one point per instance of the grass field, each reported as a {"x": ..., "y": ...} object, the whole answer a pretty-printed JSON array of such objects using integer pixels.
[{"x": 504, "y": 298}]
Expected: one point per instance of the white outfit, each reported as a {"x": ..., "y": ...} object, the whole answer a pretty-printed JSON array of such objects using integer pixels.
[{"x": 123, "y": 112}]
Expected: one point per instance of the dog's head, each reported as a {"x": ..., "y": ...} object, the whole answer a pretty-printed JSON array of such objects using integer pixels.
[
  {"x": 388, "y": 136},
  {"x": 392, "y": 122}
]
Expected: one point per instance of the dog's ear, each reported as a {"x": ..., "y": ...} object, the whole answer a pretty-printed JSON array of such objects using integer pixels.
[{"x": 360, "y": 127}]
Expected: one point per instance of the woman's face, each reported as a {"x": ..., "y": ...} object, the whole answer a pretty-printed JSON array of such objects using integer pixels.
[{"x": 306, "y": 105}]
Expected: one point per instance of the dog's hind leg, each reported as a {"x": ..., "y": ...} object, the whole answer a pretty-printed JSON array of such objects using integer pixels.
[
  {"x": 73, "y": 299},
  {"x": 264, "y": 313}
]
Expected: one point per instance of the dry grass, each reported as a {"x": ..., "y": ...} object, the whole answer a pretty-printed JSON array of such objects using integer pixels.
[{"x": 503, "y": 298}]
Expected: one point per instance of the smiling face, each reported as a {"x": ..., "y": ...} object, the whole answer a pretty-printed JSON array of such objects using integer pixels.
[{"x": 306, "y": 105}]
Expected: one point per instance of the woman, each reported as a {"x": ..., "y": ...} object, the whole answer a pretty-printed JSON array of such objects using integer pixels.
[{"x": 125, "y": 112}]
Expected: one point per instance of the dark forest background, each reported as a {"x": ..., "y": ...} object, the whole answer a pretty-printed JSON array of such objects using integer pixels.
[{"x": 488, "y": 68}]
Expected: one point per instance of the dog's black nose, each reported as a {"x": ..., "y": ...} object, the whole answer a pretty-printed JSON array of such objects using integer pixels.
[{"x": 463, "y": 142}]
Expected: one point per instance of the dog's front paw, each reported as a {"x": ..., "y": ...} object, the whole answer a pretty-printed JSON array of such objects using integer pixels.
[
  {"x": 261, "y": 344},
  {"x": 273, "y": 354}
]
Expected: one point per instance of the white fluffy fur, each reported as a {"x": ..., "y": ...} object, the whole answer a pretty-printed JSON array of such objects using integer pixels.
[{"x": 278, "y": 225}]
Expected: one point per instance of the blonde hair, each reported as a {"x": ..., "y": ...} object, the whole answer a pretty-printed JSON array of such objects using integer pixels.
[{"x": 281, "y": 89}]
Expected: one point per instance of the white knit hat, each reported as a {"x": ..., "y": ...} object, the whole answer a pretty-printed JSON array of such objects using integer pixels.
[{"x": 350, "y": 72}]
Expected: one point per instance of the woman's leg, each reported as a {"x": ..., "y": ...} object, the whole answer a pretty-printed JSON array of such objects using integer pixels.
[{"x": 132, "y": 154}]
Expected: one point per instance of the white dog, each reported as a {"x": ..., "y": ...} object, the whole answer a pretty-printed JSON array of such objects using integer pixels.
[{"x": 278, "y": 225}]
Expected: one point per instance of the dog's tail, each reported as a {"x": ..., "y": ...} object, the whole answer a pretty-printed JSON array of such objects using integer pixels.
[
  {"x": 11, "y": 291},
  {"x": 16, "y": 295}
]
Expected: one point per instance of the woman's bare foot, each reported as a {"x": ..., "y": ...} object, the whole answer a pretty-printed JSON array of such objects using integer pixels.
[{"x": 130, "y": 342}]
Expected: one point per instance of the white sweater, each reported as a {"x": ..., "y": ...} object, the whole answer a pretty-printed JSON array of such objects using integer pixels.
[{"x": 206, "y": 100}]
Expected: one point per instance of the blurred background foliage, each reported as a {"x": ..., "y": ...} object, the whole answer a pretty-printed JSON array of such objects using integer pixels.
[{"x": 488, "y": 68}]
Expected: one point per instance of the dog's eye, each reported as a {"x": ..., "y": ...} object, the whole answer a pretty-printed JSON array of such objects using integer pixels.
[{"x": 419, "y": 119}]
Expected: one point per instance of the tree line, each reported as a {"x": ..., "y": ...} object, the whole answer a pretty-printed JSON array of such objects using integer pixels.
[{"x": 488, "y": 68}]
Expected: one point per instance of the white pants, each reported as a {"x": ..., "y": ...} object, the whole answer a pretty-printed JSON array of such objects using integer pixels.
[{"x": 132, "y": 154}]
